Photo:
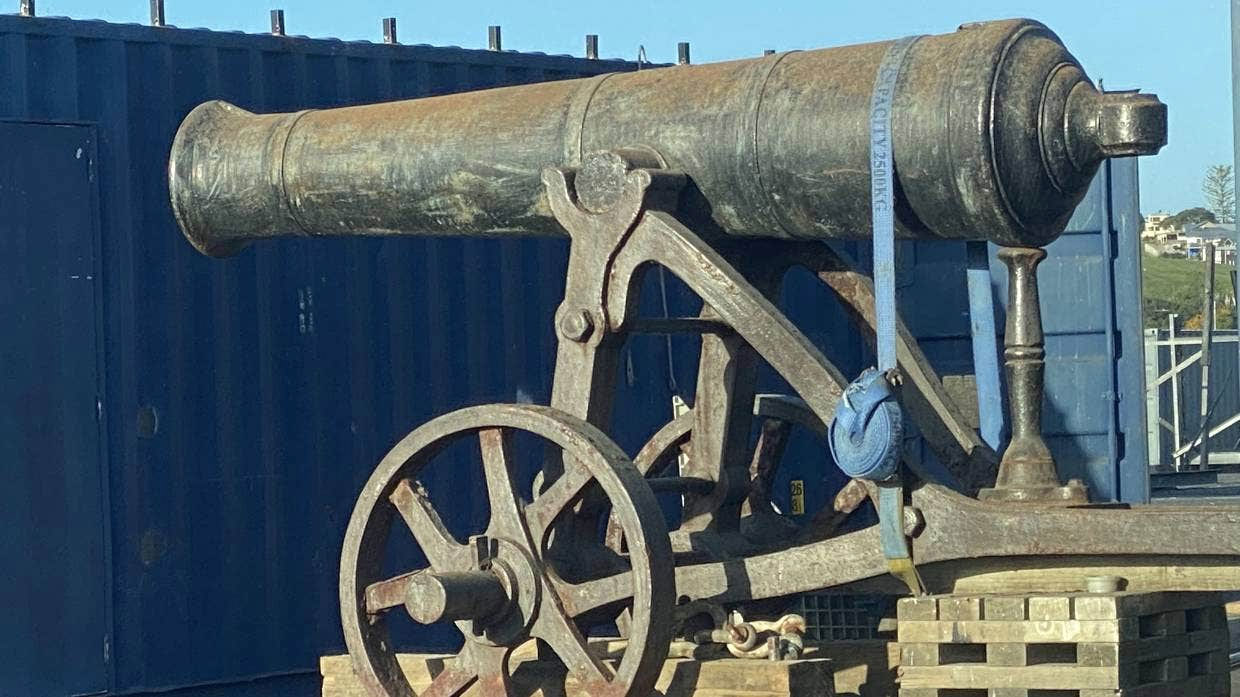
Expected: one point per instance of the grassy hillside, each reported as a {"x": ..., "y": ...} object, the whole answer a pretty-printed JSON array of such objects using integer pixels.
[
  {"x": 1161, "y": 276},
  {"x": 1175, "y": 285}
]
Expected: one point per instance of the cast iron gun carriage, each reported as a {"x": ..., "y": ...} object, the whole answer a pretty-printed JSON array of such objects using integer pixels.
[{"x": 726, "y": 175}]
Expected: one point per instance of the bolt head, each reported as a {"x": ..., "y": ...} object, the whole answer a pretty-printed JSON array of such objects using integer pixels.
[{"x": 576, "y": 325}]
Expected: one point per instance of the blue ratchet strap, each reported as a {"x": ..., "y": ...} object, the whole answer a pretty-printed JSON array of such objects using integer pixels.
[
  {"x": 985, "y": 344},
  {"x": 867, "y": 432},
  {"x": 882, "y": 200}
]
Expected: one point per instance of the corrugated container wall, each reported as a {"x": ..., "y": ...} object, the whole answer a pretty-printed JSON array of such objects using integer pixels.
[
  {"x": 182, "y": 490},
  {"x": 241, "y": 403},
  {"x": 1093, "y": 415}
]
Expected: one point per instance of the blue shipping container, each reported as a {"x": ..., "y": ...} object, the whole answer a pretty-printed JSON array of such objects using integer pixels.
[{"x": 189, "y": 435}]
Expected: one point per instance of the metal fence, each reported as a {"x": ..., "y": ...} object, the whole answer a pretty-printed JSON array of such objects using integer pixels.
[{"x": 1175, "y": 394}]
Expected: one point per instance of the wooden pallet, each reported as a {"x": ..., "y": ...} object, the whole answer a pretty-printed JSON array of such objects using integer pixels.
[
  {"x": 680, "y": 677},
  {"x": 1077, "y": 645}
]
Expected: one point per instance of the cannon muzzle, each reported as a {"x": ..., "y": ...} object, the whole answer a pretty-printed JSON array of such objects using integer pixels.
[{"x": 996, "y": 133}]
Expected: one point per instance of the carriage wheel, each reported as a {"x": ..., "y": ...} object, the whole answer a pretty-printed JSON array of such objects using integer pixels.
[{"x": 499, "y": 589}]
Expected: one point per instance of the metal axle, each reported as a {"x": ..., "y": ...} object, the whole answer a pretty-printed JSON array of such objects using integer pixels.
[{"x": 455, "y": 596}]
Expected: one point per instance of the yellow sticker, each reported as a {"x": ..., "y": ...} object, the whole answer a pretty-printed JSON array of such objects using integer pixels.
[{"x": 798, "y": 497}]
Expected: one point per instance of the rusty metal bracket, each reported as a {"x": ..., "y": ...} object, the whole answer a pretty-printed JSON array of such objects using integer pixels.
[{"x": 955, "y": 538}]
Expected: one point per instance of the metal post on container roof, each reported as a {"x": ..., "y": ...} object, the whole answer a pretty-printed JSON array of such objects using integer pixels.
[
  {"x": 389, "y": 30},
  {"x": 157, "y": 13},
  {"x": 495, "y": 40},
  {"x": 592, "y": 47},
  {"x": 277, "y": 22},
  {"x": 682, "y": 53},
  {"x": 26, "y": 8}
]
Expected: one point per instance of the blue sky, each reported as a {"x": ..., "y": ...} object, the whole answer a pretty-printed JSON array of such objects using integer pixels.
[{"x": 1179, "y": 50}]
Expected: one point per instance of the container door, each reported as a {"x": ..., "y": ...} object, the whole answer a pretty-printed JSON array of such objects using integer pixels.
[
  {"x": 1093, "y": 416},
  {"x": 54, "y": 584}
]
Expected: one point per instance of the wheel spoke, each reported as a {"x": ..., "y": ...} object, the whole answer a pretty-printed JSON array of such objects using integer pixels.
[
  {"x": 488, "y": 664},
  {"x": 506, "y": 520},
  {"x": 385, "y": 595},
  {"x": 562, "y": 492},
  {"x": 561, "y": 634},
  {"x": 441, "y": 549},
  {"x": 580, "y": 598},
  {"x": 450, "y": 683}
]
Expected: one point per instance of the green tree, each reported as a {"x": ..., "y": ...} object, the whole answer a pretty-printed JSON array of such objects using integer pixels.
[
  {"x": 1183, "y": 300},
  {"x": 1220, "y": 192},
  {"x": 1191, "y": 216}
]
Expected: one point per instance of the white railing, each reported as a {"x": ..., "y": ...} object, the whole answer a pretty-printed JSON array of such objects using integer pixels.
[{"x": 1182, "y": 357}]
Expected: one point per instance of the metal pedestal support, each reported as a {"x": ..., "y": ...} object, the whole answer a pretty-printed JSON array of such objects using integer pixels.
[{"x": 1027, "y": 471}]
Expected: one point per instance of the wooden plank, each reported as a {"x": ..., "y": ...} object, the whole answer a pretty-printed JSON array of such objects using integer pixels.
[
  {"x": 1007, "y": 654},
  {"x": 985, "y": 632},
  {"x": 1111, "y": 654},
  {"x": 919, "y": 654},
  {"x": 861, "y": 668},
  {"x": 960, "y": 609},
  {"x": 1196, "y": 686},
  {"x": 1058, "y": 574},
  {"x": 941, "y": 654},
  {"x": 1041, "y": 677},
  {"x": 1174, "y": 669},
  {"x": 1174, "y": 623},
  {"x": 923, "y": 608},
  {"x": 919, "y": 692},
  {"x": 680, "y": 677},
  {"x": 1209, "y": 663},
  {"x": 1206, "y": 618},
  {"x": 1010, "y": 607},
  {"x": 1042, "y": 608},
  {"x": 1067, "y": 605}
]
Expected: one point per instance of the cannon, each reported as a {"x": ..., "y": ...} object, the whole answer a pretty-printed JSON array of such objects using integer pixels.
[
  {"x": 726, "y": 175},
  {"x": 996, "y": 132}
]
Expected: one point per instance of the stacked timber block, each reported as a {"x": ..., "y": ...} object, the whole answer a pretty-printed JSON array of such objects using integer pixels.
[
  {"x": 1069, "y": 645},
  {"x": 680, "y": 677}
]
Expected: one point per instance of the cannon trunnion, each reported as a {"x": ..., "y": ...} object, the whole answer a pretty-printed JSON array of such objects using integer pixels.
[{"x": 726, "y": 176}]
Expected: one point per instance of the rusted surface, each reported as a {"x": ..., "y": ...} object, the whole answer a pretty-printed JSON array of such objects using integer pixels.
[
  {"x": 500, "y": 589},
  {"x": 669, "y": 168},
  {"x": 996, "y": 134},
  {"x": 546, "y": 544}
]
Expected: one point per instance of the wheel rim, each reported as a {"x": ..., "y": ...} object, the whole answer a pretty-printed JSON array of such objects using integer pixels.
[{"x": 545, "y": 605}]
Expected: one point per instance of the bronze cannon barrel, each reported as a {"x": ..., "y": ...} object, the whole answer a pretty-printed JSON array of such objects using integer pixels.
[{"x": 996, "y": 134}]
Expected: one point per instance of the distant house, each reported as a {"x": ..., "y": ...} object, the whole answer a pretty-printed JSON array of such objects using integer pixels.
[
  {"x": 1155, "y": 228},
  {"x": 1222, "y": 235}
]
